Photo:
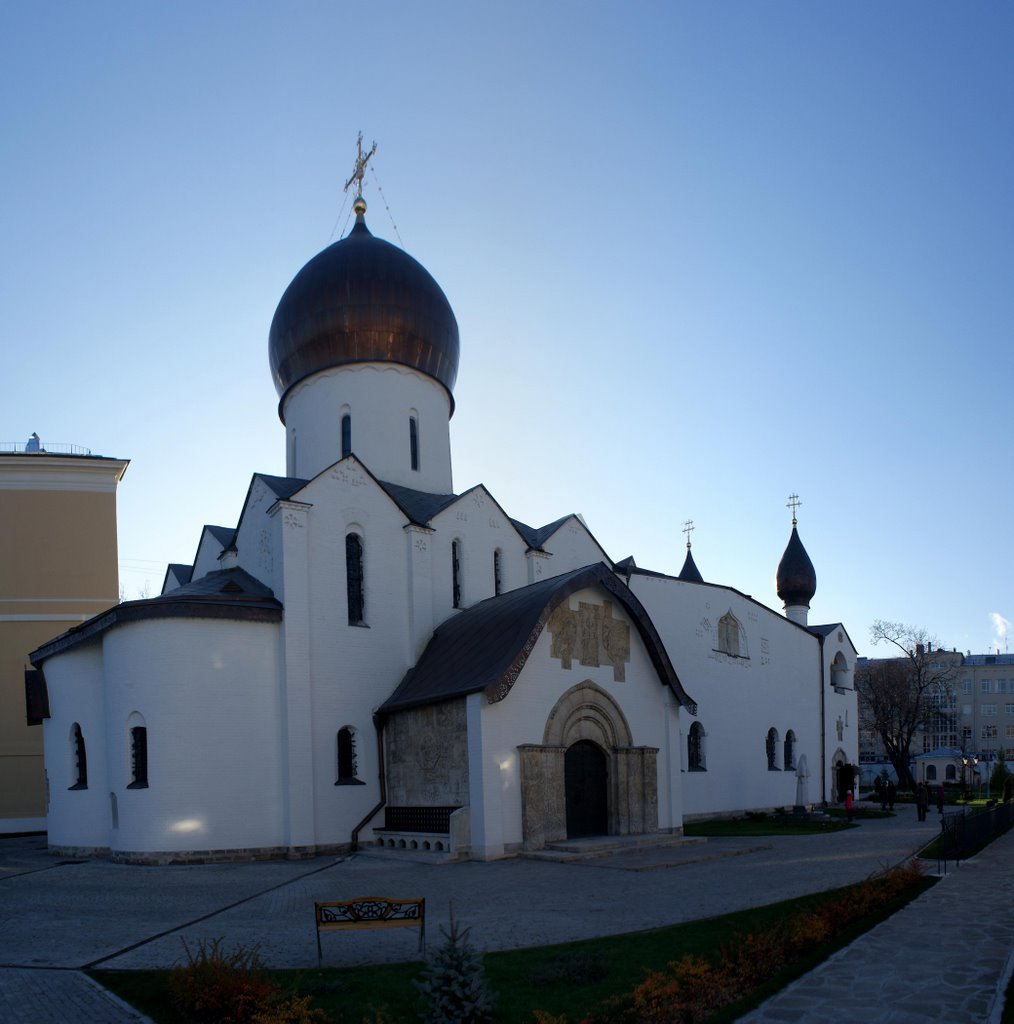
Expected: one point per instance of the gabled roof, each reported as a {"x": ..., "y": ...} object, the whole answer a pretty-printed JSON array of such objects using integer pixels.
[
  {"x": 485, "y": 647},
  {"x": 283, "y": 487},
  {"x": 181, "y": 572},
  {"x": 535, "y": 538},
  {"x": 223, "y": 594},
  {"x": 223, "y": 534},
  {"x": 419, "y": 506},
  {"x": 826, "y": 629}
]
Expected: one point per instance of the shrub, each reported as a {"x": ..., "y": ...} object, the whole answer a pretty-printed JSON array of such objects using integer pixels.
[
  {"x": 218, "y": 987},
  {"x": 288, "y": 1010}
]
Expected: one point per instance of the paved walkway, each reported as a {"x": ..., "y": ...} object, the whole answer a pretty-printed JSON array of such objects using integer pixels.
[{"x": 58, "y": 916}]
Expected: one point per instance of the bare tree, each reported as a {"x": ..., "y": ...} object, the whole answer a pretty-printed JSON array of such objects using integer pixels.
[{"x": 904, "y": 695}]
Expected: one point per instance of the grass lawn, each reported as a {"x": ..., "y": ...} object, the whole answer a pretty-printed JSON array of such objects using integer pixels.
[
  {"x": 574, "y": 979},
  {"x": 764, "y": 825}
]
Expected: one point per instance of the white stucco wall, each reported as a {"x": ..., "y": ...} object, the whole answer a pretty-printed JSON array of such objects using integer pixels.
[
  {"x": 207, "y": 691},
  {"x": 572, "y": 546},
  {"x": 481, "y": 527},
  {"x": 841, "y": 711},
  {"x": 739, "y": 699},
  {"x": 496, "y": 731},
  {"x": 380, "y": 398},
  {"x": 78, "y": 818}
]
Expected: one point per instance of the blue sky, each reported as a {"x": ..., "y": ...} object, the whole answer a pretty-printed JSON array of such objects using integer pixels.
[{"x": 702, "y": 256}]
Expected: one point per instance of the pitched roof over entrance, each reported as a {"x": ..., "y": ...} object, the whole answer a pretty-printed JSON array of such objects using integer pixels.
[{"x": 485, "y": 647}]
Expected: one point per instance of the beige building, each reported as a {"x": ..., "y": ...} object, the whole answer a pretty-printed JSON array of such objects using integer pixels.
[
  {"x": 58, "y": 567},
  {"x": 971, "y": 717}
]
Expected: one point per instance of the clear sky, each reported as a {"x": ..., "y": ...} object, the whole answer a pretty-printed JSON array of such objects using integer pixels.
[{"x": 702, "y": 256}]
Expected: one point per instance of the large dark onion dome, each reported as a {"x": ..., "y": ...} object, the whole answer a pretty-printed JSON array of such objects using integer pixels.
[
  {"x": 796, "y": 580},
  {"x": 363, "y": 300}
]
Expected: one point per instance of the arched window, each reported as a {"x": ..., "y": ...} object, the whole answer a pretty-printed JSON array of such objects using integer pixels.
[
  {"x": 789, "y": 752},
  {"x": 497, "y": 579},
  {"x": 695, "y": 748},
  {"x": 346, "y": 748},
  {"x": 354, "y": 578},
  {"x": 456, "y": 573},
  {"x": 413, "y": 442},
  {"x": 950, "y": 773},
  {"x": 80, "y": 758},
  {"x": 138, "y": 758},
  {"x": 772, "y": 750},
  {"x": 346, "y": 434},
  {"x": 839, "y": 672},
  {"x": 931, "y": 773},
  {"x": 728, "y": 635}
]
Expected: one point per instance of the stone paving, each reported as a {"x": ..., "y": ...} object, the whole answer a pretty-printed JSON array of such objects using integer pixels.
[{"x": 57, "y": 916}]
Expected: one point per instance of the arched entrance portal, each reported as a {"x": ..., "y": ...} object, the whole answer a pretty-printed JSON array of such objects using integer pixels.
[{"x": 585, "y": 784}]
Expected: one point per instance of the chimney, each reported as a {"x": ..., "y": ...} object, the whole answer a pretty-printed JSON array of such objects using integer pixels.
[{"x": 918, "y": 650}]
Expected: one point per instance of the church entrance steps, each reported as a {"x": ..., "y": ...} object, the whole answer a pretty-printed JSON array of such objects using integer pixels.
[{"x": 638, "y": 853}]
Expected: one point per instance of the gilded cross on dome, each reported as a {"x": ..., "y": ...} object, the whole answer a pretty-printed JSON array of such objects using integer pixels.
[
  {"x": 359, "y": 172},
  {"x": 688, "y": 528},
  {"x": 793, "y": 503}
]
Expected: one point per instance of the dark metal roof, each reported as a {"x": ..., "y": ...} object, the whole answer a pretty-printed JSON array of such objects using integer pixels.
[
  {"x": 485, "y": 647},
  {"x": 535, "y": 538},
  {"x": 363, "y": 300},
  {"x": 223, "y": 534},
  {"x": 796, "y": 580},
  {"x": 690, "y": 573},
  {"x": 180, "y": 571},
  {"x": 283, "y": 487},
  {"x": 419, "y": 506},
  {"x": 224, "y": 594}
]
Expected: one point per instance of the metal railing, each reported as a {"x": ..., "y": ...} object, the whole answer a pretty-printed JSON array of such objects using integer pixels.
[
  {"x": 32, "y": 447},
  {"x": 963, "y": 833}
]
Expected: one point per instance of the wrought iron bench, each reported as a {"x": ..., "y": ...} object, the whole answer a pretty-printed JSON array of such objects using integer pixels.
[{"x": 369, "y": 912}]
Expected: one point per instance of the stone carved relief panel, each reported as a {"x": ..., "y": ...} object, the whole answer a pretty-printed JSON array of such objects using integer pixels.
[
  {"x": 427, "y": 756},
  {"x": 590, "y": 636}
]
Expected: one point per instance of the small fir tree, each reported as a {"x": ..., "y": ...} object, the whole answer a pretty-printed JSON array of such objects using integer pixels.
[{"x": 454, "y": 984}]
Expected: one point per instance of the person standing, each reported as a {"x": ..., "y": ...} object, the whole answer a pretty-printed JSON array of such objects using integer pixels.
[
  {"x": 849, "y": 804},
  {"x": 921, "y": 800},
  {"x": 892, "y": 792},
  {"x": 940, "y": 798}
]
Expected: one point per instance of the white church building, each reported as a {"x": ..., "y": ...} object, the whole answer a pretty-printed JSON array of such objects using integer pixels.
[{"x": 368, "y": 657}]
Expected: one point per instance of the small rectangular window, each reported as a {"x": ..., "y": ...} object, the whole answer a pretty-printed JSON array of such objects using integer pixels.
[{"x": 413, "y": 442}]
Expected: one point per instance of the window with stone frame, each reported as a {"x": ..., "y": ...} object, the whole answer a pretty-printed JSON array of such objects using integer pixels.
[
  {"x": 696, "y": 761},
  {"x": 138, "y": 758},
  {"x": 355, "y": 579},
  {"x": 80, "y": 758},
  {"x": 789, "y": 752},
  {"x": 772, "y": 750},
  {"x": 347, "y": 767}
]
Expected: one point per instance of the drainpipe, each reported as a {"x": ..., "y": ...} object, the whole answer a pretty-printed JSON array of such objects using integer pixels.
[{"x": 378, "y": 724}]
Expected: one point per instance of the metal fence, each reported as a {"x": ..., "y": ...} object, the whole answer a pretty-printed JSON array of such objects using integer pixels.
[
  {"x": 42, "y": 448},
  {"x": 964, "y": 832}
]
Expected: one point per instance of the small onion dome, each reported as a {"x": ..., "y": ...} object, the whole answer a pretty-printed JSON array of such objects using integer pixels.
[
  {"x": 363, "y": 300},
  {"x": 796, "y": 581},
  {"x": 690, "y": 572}
]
